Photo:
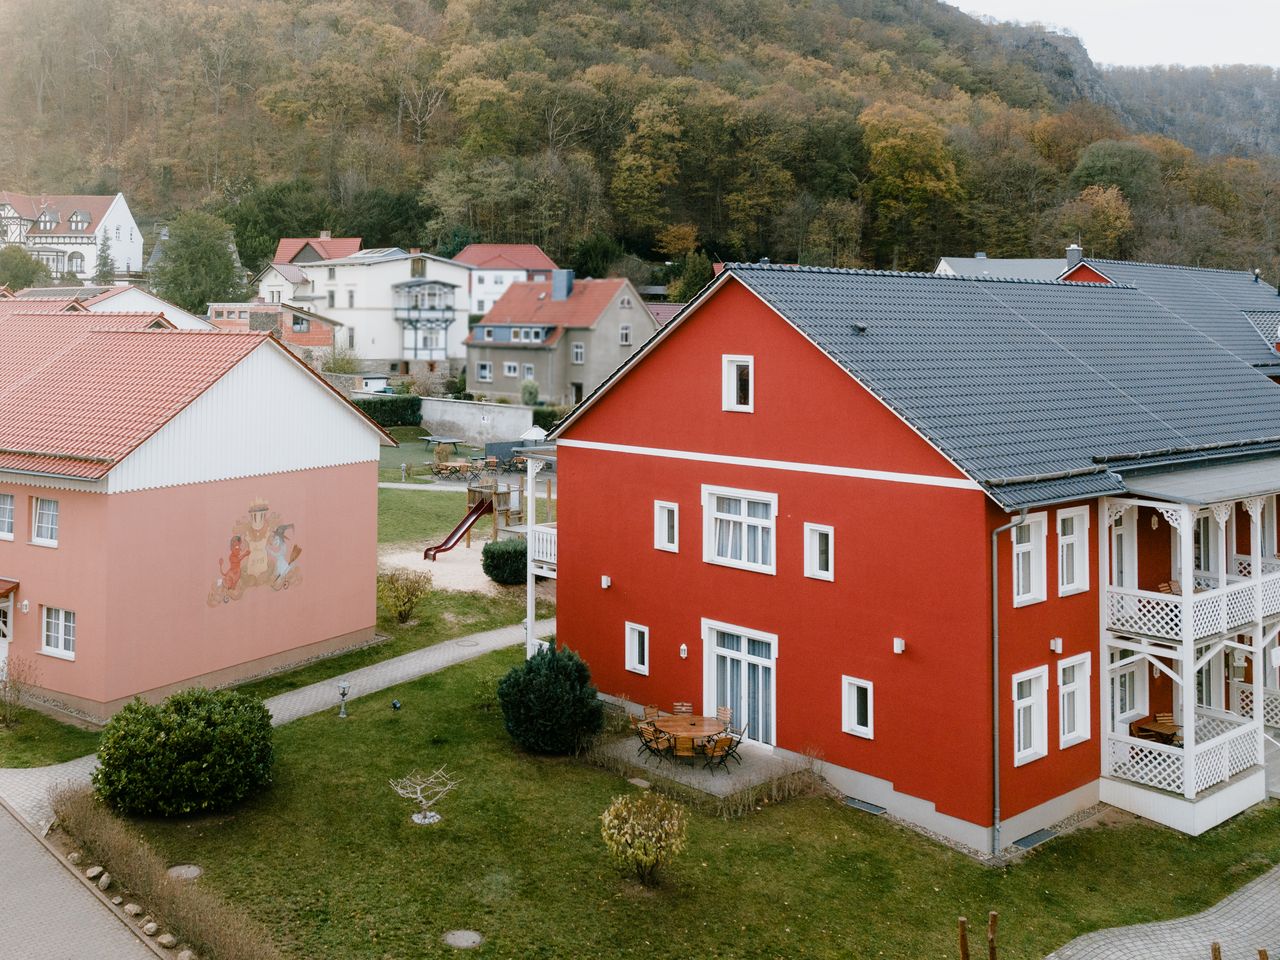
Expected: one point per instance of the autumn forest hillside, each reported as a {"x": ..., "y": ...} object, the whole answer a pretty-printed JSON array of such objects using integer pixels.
[{"x": 848, "y": 132}]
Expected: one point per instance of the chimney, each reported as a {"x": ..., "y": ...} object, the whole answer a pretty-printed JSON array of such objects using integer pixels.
[
  {"x": 326, "y": 235},
  {"x": 561, "y": 284},
  {"x": 1075, "y": 253},
  {"x": 415, "y": 249},
  {"x": 980, "y": 255}
]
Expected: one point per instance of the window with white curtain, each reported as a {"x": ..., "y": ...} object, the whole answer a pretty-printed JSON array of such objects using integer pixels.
[
  {"x": 1030, "y": 715},
  {"x": 1029, "y": 560},
  {"x": 1073, "y": 701},
  {"x": 44, "y": 527},
  {"x": 6, "y": 516},
  {"x": 1073, "y": 551},
  {"x": 58, "y": 633},
  {"x": 739, "y": 528}
]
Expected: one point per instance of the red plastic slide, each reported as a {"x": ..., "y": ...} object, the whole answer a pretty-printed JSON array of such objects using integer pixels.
[{"x": 460, "y": 531}]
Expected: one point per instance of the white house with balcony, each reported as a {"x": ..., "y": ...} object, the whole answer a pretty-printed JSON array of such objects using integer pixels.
[
  {"x": 65, "y": 232},
  {"x": 394, "y": 305}
]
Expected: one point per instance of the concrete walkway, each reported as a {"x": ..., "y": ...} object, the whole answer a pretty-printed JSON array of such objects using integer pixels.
[
  {"x": 48, "y": 914},
  {"x": 27, "y": 790},
  {"x": 1243, "y": 923}
]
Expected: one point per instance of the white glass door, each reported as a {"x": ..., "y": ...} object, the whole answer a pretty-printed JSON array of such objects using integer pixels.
[
  {"x": 6, "y": 618},
  {"x": 742, "y": 679}
]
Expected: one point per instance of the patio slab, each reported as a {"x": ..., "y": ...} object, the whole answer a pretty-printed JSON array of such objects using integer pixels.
[{"x": 759, "y": 765}]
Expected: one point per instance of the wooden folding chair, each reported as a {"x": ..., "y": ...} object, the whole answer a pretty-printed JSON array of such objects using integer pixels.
[
  {"x": 724, "y": 715},
  {"x": 684, "y": 749},
  {"x": 651, "y": 712},
  {"x": 681, "y": 707}
]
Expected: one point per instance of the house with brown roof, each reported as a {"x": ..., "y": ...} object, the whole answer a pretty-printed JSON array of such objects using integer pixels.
[
  {"x": 566, "y": 336},
  {"x": 305, "y": 332},
  {"x": 313, "y": 249},
  {"x": 176, "y": 508},
  {"x": 118, "y": 298},
  {"x": 65, "y": 232},
  {"x": 495, "y": 266}
]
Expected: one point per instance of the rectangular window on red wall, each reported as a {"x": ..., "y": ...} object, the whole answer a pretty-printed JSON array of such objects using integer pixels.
[
  {"x": 637, "y": 654},
  {"x": 1029, "y": 560},
  {"x": 1030, "y": 715},
  {"x": 666, "y": 526},
  {"x": 1073, "y": 551},
  {"x": 1073, "y": 701}
]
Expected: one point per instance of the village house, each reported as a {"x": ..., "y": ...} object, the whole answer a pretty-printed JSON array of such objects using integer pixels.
[
  {"x": 120, "y": 298},
  {"x": 992, "y": 551},
  {"x": 407, "y": 310},
  {"x": 65, "y": 232},
  {"x": 566, "y": 336},
  {"x": 307, "y": 334},
  {"x": 498, "y": 265},
  {"x": 313, "y": 249},
  {"x": 176, "y": 508}
]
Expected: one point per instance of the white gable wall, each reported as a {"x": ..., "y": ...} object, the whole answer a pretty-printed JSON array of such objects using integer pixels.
[
  {"x": 134, "y": 300},
  {"x": 266, "y": 415},
  {"x": 119, "y": 226}
]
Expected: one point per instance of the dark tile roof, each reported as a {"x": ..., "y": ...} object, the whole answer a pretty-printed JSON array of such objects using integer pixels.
[
  {"x": 1019, "y": 268},
  {"x": 1215, "y": 302},
  {"x": 1021, "y": 383}
]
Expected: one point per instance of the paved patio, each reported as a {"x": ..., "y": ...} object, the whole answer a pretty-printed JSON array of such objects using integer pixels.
[{"x": 758, "y": 766}]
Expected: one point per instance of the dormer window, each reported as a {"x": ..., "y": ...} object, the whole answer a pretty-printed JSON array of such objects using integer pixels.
[
  {"x": 46, "y": 222},
  {"x": 625, "y": 303},
  {"x": 79, "y": 221},
  {"x": 537, "y": 335}
]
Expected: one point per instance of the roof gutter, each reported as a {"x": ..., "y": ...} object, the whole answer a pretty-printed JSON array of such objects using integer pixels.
[
  {"x": 1174, "y": 451},
  {"x": 995, "y": 679}
]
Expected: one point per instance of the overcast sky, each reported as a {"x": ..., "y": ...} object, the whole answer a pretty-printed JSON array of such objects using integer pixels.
[{"x": 1141, "y": 32}]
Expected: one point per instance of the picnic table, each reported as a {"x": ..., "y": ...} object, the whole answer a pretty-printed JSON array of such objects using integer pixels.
[
  {"x": 687, "y": 725},
  {"x": 439, "y": 441}
]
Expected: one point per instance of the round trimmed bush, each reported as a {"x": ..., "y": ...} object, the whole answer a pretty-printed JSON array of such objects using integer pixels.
[
  {"x": 645, "y": 832},
  {"x": 503, "y": 561},
  {"x": 549, "y": 704},
  {"x": 198, "y": 751}
]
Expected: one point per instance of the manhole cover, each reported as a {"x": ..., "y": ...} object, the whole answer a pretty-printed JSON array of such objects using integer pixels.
[
  {"x": 185, "y": 871},
  {"x": 463, "y": 939},
  {"x": 468, "y": 643}
]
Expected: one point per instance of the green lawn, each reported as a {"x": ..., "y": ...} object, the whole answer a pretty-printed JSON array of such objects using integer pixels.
[
  {"x": 329, "y": 861},
  {"x": 425, "y": 517},
  {"x": 37, "y": 740},
  {"x": 413, "y": 453}
]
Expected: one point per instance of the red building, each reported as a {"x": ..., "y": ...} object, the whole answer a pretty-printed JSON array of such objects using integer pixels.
[{"x": 791, "y": 499}]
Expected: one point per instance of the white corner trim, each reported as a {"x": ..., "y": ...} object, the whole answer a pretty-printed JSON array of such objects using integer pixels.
[{"x": 830, "y": 470}]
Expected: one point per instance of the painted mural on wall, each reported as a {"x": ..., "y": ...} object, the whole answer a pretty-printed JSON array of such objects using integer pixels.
[{"x": 262, "y": 552}]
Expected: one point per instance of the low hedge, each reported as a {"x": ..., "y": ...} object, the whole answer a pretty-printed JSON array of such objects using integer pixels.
[
  {"x": 392, "y": 410},
  {"x": 503, "y": 561},
  {"x": 198, "y": 751}
]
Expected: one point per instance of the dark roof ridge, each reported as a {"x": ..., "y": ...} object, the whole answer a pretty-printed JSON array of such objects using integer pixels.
[
  {"x": 919, "y": 275},
  {"x": 1166, "y": 266}
]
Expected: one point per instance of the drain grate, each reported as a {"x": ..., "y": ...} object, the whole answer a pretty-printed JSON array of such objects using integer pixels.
[
  {"x": 1035, "y": 839},
  {"x": 864, "y": 806}
]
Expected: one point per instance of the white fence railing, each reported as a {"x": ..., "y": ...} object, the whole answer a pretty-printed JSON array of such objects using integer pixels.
[
  {"x": 543, "y": 544},
  {"x": 1144, "y": 761},
  {"x": 1224, "y": 756},
  {"x": 1212, "y": 611},
  {"x": 1230, "y": 746},
  {"x": 1242, "y": 702}
]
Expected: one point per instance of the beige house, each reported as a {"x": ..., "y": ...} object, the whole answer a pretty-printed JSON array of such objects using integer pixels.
[{"x": 566, "y": 336}]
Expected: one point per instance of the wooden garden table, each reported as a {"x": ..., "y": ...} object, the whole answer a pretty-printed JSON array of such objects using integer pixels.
[{"x": 686, "y": 725}]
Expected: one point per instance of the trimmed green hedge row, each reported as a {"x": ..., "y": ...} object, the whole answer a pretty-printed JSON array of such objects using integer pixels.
[
  {"x": 548, "y": 417},
  {"x": 503, "y": 561},
  {"x": 393, "y": 410}
]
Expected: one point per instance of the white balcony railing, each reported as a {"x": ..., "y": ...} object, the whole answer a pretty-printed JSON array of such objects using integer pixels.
[
  {"x": 1212, "y": 610},
  {"x": 1242, "y": 702},
  {"x": 543, "y": 545},
  {"x": 1231, "y": 745}
]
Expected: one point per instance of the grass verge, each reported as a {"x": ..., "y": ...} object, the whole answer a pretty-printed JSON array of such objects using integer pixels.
[
  {"x": 37, "y": 740},
  {"x": 329, "y": 861},
  {"x": 195, "y": 915}
]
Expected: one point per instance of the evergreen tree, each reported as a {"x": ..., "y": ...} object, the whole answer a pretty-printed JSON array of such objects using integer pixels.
[
  {"x": 197, "y": 265},
  {"x": 696, "y": 275},
  {"x": 104, "y": 271}
]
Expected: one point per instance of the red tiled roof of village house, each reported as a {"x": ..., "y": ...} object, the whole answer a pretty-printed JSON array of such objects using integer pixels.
[
  {"x": 530, "y": 303},
  {"x": 29, "y": 206},
  {"x": 31, "y": 338},
  {"x": 329, "y": 248},
  {"x": 663, "y": 312},
  {"x": 505, "y": 256},
  {"x": 41, "y": 305}
]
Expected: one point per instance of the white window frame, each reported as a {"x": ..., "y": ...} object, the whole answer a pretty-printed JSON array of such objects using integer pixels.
[
  {"x": 1038, "y": 702},
  {"x": 530, "y": 373},
  {"x": 637, "y": 642},
  {"x": 63, "y": 647},
  {"x": 624, "y": 335},
  {"x": 661, "y": 510},
  {"x": 709, "y": 516},
  {"x": 8, "y": 515},
  {"x": 484, "y": 371},
  {"x": 1136, "y": 666},
  {"x": 488, "y": 333},
  {"x": 849, "y": 687},
  {"x": 1079, "y": 688},
  {"x": 729, "y": 365},
  {"x": 811, "y": 569},
  {"x": 578, "y": 352},
  {"x": 1080, "y": 539},
  {"x": 709, "y": 651},
  {"x": 510, "y": 368},
  {"x": 536, "y": 334},
  {"x": 1036, "y": 526},
  {"x": 36, "y": 539}
]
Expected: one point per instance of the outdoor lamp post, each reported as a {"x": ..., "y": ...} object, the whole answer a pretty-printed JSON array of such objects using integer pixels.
[{"x": 343, "y": 687}]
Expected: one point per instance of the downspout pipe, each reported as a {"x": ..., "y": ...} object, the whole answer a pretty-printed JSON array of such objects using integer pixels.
[{"x": 995, "y": 679}]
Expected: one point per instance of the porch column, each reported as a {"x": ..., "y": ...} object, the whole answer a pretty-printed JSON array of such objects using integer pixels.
[
  {"x": 531, "y": 465},
  {"x": 1258, "y": 658},
  {"x": 1106, "y": 516},
  {"x": 1186, "y": 575}
]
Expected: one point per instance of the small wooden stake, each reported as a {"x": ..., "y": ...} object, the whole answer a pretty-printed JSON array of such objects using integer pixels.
[
  {"x": 1262, "y": 955},
  {"x": 1215, "y": 951},
  {"x": 964, "y": 938},
  {"x": 992, "y": 919}
]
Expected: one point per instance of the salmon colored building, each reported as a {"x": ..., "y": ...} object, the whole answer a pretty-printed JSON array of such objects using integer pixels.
[
  {"x": 991, "y": 550},
  {"x": 176, "y": 508}
]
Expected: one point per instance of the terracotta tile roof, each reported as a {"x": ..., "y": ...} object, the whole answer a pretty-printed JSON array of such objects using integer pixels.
[
  {"x": 505, "y": 256},
  {"x": 41, "y": 305},
  {"x": 530, "y": 303},
  {"x": 31, "y": 339},
  {"x": 29, "y": 207},
  {"x": 663, "y": 313},
  {"x": 331, "y": 248}
]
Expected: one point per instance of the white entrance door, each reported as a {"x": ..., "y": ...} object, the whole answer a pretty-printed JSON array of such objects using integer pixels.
[
  {"x": 740, "y": 674},
  {"x": 6, "y": 618}
]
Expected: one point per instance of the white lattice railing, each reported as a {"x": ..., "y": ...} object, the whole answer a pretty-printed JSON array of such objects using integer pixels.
[
  {"x": 543, "y": 544},
  {"x": 1224, "y": 756},
  {"x": 1242, "y": 703},
  {"x": 1143, "y": 761},
  {"x": 1213, "y": 610},
  {"x": 1145, "y": 612}
]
